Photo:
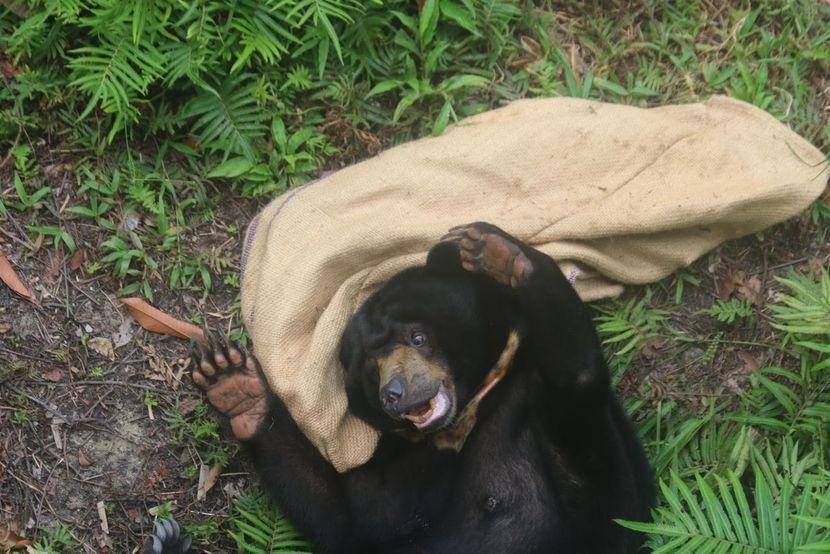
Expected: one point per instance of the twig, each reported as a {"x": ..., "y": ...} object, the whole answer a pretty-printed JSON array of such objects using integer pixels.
[
  {"x": 10, "y": 472},
  {"x": 23, "y": 355},
  {"x": 68, "y": 279},
  {"x": 778, "y": 266},
  {"x": 41, "y": 403}
]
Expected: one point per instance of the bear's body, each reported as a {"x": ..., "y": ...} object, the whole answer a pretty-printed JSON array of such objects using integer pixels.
[{"x": 551, "y": 460}]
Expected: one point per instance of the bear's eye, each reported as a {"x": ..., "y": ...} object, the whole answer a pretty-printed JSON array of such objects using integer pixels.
[{"x": 418, "y": 339}]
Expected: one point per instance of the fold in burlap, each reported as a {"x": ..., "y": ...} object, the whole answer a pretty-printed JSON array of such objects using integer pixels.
[{"x": 616, "y": 194}]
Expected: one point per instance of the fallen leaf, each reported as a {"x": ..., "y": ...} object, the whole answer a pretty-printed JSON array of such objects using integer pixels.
[
  {"x": 10, "y": 540},
  {"x": 78, "y": 259},
  {"x": 4, "y": 327},
  {"x": 54, "y": 375},
  {"x": 124, "y": 334},
  {"x": 54, "y": 262},
  {"x": 752, "y": 290},
  {"x": 9, "y": 69},
  {"x": 730, "y": 282},
  {"x": 104, "y": 542},
  {"x": 207, "y": 478},
  {"x": 103, "y": 346},
  {"x": 750, "y": 363},
  {"x": 159, "y": 475},
  {"x": 8, "y": 276},
  {"x": 83, "y": 460},
  {"x": 187, "y": 406},
  {"x": 157, "y": 321},
  {"x": 650, "y": 347}
]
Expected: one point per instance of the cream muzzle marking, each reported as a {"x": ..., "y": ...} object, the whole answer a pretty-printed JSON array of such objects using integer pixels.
[{"x": 454, "y": 436}]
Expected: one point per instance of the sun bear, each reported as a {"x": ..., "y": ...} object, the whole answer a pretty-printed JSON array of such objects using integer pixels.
[{"x": 499, "y": 429}]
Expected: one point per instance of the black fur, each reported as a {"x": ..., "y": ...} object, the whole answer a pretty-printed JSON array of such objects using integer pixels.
[{"x": 552, "y": 459}]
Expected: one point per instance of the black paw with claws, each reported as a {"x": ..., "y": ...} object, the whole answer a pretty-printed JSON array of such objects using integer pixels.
[{"x": 167, "y": 538}]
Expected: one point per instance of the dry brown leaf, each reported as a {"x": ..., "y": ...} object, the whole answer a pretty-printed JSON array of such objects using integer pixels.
[
  {"x": 9, "y": 540},
  {"x": 124, "y": 334},
  {"x": 8, "y": 276},
  {"x": 104, "y": 542},
  {"x": 54, "y": 262},
  {"x": 207, "y": 478},
  {"x": 9, "y": 69},
  {"x": 752, "y": 290},
  {"x": 730, "y": 282},
  {"x": 54, "y": 375},
  {"x": 83, "y": 459},
  {"x": 187, "y": 406},
  {"x": 78, "y": 259},
  {"x": 157, "y": 321},
  {"x": 102, "y": 346},
  {"x": 750, "y": 363}
]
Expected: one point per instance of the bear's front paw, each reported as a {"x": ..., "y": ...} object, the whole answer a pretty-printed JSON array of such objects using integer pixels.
[
  {"x": 232, "y": 382},
  {"x": 486, "y": 249}
]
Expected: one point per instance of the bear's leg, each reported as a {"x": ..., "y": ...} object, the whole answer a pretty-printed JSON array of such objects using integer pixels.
[
  {"x": 557, "y": 325},
  {"x": 304, "y": 485}
]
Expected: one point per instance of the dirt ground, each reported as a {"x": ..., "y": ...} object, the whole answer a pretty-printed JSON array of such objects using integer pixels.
[{"x": 89, "y": 400}]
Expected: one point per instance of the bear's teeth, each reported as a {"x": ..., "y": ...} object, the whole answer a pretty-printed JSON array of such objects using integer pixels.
[{"x": 422, "y": 412}]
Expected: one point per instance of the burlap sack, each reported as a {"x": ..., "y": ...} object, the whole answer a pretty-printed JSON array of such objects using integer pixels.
[{"x": 617, "y": 194}]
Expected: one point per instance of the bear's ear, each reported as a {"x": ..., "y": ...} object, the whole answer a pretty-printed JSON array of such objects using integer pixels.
[{"x": 445, "y": 258}]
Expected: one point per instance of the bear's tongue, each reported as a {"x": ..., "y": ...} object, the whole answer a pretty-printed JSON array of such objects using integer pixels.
[{"x": 425, "y": 414}]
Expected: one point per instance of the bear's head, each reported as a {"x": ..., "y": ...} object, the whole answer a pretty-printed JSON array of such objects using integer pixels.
[{"x": 419, "y": 347}]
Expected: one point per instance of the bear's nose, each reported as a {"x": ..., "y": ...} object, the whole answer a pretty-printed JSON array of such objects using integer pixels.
[{"x": 392, "y": 392}]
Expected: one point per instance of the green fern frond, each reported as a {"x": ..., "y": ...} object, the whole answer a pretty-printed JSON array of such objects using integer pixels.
[
  {"x": 783, "y": 401},
  {"x": 699, "y": 518},
  {"x": 731, "y": 310},
  {"x": 36, "y": 36},
  {"x": 228, "y": 117},
  {"x": 804, "y": 313},
  {"x": 630, "y": 324},
  {"x": 263, "y": 28},
  {"x": 262, "y": 529},
  {"x": 114, "y": 73},
  {"x": 323, "y": 12},
  {"x": 65, "y": 10}
]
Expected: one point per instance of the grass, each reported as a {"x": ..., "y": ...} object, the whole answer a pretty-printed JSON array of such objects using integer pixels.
[{"x": 141, "y": 137}]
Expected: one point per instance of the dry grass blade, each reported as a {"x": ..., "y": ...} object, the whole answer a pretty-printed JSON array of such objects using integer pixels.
[{"x": 157, "y": 321}]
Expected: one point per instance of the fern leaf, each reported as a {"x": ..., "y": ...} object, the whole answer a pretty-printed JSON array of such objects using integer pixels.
[
  {"x": 114, "y": 73},
  {"x": 262, "y": 529},
  {"x": 700, "y": 520},
  {"x": 229, "y": 119}
]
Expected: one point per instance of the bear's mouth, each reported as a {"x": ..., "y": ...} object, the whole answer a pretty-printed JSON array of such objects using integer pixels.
[{"x": 430, "y": 414}]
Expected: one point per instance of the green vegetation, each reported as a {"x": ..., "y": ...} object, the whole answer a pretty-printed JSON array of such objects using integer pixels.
[
  {"x": 258, "y": 527},
  {"x": 127, "y": 124},
  {"x": 749, "y": 472}
]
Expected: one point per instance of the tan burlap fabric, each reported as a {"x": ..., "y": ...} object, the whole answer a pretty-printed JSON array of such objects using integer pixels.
[{"x": 617, "y": 194}]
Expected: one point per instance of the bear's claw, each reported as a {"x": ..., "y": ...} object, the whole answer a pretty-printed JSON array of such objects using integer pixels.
[{"x": 231, "y": 379}]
